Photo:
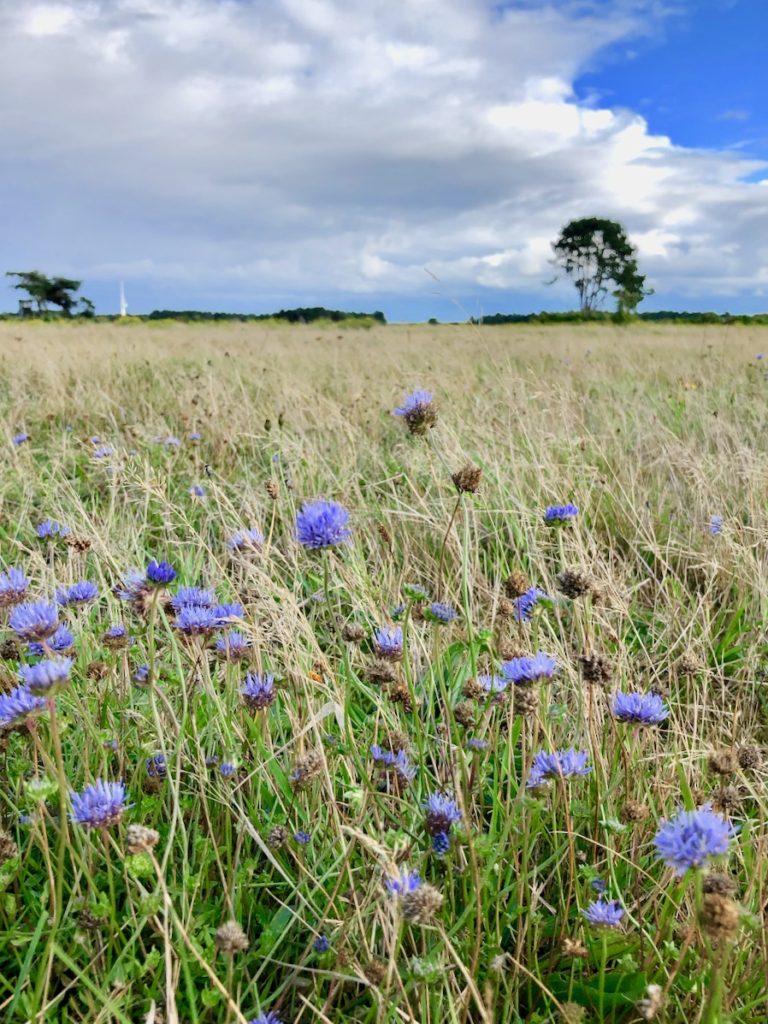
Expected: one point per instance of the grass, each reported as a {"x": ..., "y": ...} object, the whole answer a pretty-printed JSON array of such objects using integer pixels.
[{"x": 649, "y": 431}]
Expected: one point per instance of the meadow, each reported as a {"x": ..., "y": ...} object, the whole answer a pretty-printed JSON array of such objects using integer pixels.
[{"x": 455, "y": 759}]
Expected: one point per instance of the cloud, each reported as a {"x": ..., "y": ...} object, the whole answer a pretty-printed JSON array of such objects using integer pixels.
[{"x": 330, "y": 147}]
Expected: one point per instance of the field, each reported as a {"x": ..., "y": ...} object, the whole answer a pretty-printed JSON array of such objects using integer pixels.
[{"x": 268, "y": 808}]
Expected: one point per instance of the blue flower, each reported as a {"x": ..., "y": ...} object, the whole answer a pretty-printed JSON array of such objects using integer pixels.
[
  {"x": 196, "y": 596},
  {"x": 397, "y": 611},
  {"x": 197, "y": 620},
  {"x": 115, "y": 635},
  {"x": 258, "y": 691},
  {"x": 302, "y": 838},
  {"x": 99, "y": 805},
  {"x": 321, "y": 944},
  {"x": 46, "y": 676},
  {"x": 246, "y": 540},
  {"x": 415, "y": 592},
  {"x": 418, "y": 410},
  {"x": 18, "y": 706},
  {"x": 13, "y": 587},
  {"x": 78, "y": 593},
  {"x": 398, "y": 762},
  {"x": 641, "y": 708},
  {"x": 442, "y": 812},
  {"x": 156, "y": 766},
  {"x": 195, "y": 435},
  {"x": 441, "y": 843},
  {"x": 233, "y": 646},
  {"x": 406, "y": 881},
  {"x": 61, "y": 642},
  {"x": 270, "y": 1017},
  {"x": 526, "y": 603},
  {"x": 197, "y": 491},
  {"x": 34, "y": 620},
  {"x": 522, "y": 671},
  {"x": 604, "y": 913},
  {"x": 103, "y": 451},
  {"x": 322, "y": 524},
  {"x": 561, "y": 764},
  {"x": 416, "y": 400},
  {"x": 52, "y": 528},
  {"x": 556, "y": 515},
  {"x": 227, "y": 613},
  {"x": 227, "y": 769},
  {"x": 440, "y": 613},
  {"x": 160, "y": 572},
  {"x": 475, "y": 743},
  {"x": 133, "y": 588},
  {"x": 493, "y": 685},
  {"x": 141, "y": 674},
  {"x": 598, "y": 885},
  {"x": 170, "y": 441},
  {"x": 716, "y": 525},
  {"x": 691, "y": 837},
  {"x": 388, "y": 643},
  {"x": 20, "y": 438}
]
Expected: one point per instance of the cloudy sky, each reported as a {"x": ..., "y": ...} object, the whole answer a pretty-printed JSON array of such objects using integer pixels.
[{"x": 415, "y": 157}]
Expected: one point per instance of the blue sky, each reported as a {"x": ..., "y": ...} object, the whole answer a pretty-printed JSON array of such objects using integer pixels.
[{"x": 248, "y": 155}]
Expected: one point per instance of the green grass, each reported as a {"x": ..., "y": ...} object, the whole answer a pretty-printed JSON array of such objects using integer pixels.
[{"x": 649, "y": 431}]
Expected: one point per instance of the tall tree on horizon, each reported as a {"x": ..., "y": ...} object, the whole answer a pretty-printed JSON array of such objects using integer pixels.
[{"x": 595, "y": 251}]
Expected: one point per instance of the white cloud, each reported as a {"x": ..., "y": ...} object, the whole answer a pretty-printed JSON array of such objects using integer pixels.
[{"x": 332, "y": 146}]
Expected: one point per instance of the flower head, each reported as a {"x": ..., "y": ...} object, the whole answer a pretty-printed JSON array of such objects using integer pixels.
[
  {"x": 604, "y": 913},
  {"x": 406, "y": 881},
  {"x": 526, "y": 603},
  {"x": 418, "y": 410},
  {"x": 302, "y": 838},
  {"x": 322, "y": 524},
  {"x": 52, "y": 528},
  {"x": 46, "y": 676},
  {"x": 441, "y": 613},
  {"x": 133, "y": 588},
  {"x": 716, "y": 525},
  {"x": 197, "y": 620},
  {"x": 61, "y": 642},
  {"x": 641, "y": 708},
  {"x": 269, "y": 1017},
  {"x": 99, "y": 805},
  {"x": 197, "y": 491},
  {"x": 562, "y": 764},
  {"x": 116, "y": 638},
  {"x": 233, "y": 646},
  {"x": 160, "y": 573},
  {"x": 690, "y": 838},
  {"x": 103, "y": 451},
  {"x": 227, "y": 613},
  {"x": 195, "y": 596},
  {"x": 523, "y": 671},
  {"x": 20, "y": 438},
  {"x": 258, "y": 691},
  {"x": 82, "y": 592},
  {"x": 13, "y": 587},
  {"x": 388, "y": 643},
  {"x": 493, "y": 685},
  {"x": 156, "y": 766},
  {"x": 321, "y": 944},
  {"x": 396, "y": 762},
  {"x": 246, "y": 540},
  {"x": 442, "y": 812},
  {"x": 558, "y": 515},
  {"x": 19, "y": 706},
  {"x": 34, "y": 620}
]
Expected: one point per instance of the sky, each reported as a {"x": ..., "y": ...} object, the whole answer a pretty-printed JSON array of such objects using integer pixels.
[{"x": 419, "y": 158}]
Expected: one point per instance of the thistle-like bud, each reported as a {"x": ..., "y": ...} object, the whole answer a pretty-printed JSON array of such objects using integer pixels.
[
  {"x": 574, "y": 948},
  {"x": 139, "y": 839},
  {"x": 8, "y": 847},
  {"x": 421, "y": 905},
  {"x": 399, "y": 694},
  {"x": 719, "y": 916},
  {"x": 525, "y": 700},
  {"x": 690, "y": 663},
  {"x": 633, "y": 812},
  {"x": 307, "y": 768},
  {"x": 467, "y": 479},
  {"x": 720, "y": 884},
  {"x": 352, "y": 632},
  {"x": 749, "y": 758},
  {"x": 230, "y": 938},
  {"x": 573, "y": 1013},
  {"x": 724, "y": 762},
  {"x": 597, "y": 669},
  {"x": 375, "y": 971},
  {"x": 516, "y": 584},
  {"x": 9, "y": 650},
  {"x": 278, "y": 836},
  {"x": 381, "y": 672},
  {"x": 464, "y": 713},
  {"x": 727, "y": 799},
  {"x": 97, "y": 670},
  {"x": 472, "y": 690},
  {"x": 574, "y": 583},
  {"x": 271, "y": 489}
]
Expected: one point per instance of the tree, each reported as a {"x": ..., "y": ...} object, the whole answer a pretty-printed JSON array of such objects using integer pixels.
[
  {"x": 594, "y": 251},
  {"x": 58, "y": 291}
]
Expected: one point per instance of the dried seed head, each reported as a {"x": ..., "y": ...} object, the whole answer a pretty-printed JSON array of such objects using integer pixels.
[
  {"x": 139, "y": 839},
  {"x": 690, "y": 663},
  {"x": 399, "y": 694},
  {"x": 116, "y": 643},
  {"x": 230, "y": 938},
  {"x": 381, "y": 672},
  {"x": 722, "y": 885},
  {"x": 653, "y": 1002},
  {"x": 749, "y": 758},
  {"x": 499, "y": 963},
  {"x": 574, "y": 947},
  {"x": 278, "y": 836},
  {"x": 384, "y": 533},
  {"x": 9, "y": 650},
  {"x": 352, "y": 632},
  {"x": 375, "y": 971},
  {"x": 506, "y": 608},
  {"x": 78, "y": 543},
  {"x": 596, "y": 668},
  {"x": 421, "y": 905},
  {"x": 271, "y": 489},
  {"x": 633, "y": 811},
  {"x": 97, "y": 670},
  {"x": 90, "y": 921},
  {"x": 512, "y": 650},
  {"x": 516, "y": 584},
  {"x": 724, "y": 762},
  {"x": 576, "y": 583},
  {"x": 8, "y": 847},
  {"x": 464, "y": 713},
  {"x": 719, "y": 916},
  {"x": 573, "y": 1013},
  {"x": 525, "y": 700},
  {"x": 307, "y": 768},
  {"x": 396, "y": 741},
  {"x": 726, "y": 799},
  {"x": 472, "y": 690},
  {"x": 467, "y": 479}
]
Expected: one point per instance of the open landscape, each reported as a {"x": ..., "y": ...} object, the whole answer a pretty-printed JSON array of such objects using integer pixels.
[{"x": 491, "y": 749}]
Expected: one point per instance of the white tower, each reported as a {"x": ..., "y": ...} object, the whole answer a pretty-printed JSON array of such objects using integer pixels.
[{"x": 123, "y": 303}]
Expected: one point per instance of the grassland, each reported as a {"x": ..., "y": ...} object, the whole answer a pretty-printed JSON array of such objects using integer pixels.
[{"x": 650, "y": 431}]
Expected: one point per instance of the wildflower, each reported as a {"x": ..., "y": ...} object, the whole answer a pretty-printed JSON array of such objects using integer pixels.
[
  {"x": 270, "y": 1017},
  {"x": 414, "y": 592},
  {"x": 61, "y": 642},
  {"x": 599, "y": 885},
  {"x": 406, "y": 881},
  {"x": 171, "y": 441},
  {"x": 35, "y": 620},
  {"x": 116, "y": 638},
  {"x": 277, "y": 837},
  {"x": 561, "y": 764},
  {"x": 691, "y": 837},
  {"x": 78, "y": 593},
  {"x": 723, "y": 762},
  {"x": 246, "y": 540},
  {"x": 516, "y": 584},
  {"x": 476, "y": 743},
  {"x": 197, "y": 491},
  {"x": 103, "y": 451},
  {"x": 442, "y": 813},
  {"x": 139, "y": 839},
  {"x": 527, "y": 670},
  {"x": 18, "y": 706},
  {"x": 634, "y": 811},
  {"x": 160, "y": 573},
  {"x": 52, "y": 528},
  {"x": 195, "y": 435},
  {"x": 227, "y": 769},
  {"x": 652, "y": 1004},
  {"x": 197, "y": 620},
  {"x": 418, "y": 410},
  {"x": 46, "y": 676},
  {"x": 194, "y": 596},
  {"x": 141, "y": 674},
  {"x": 722, "y": 884},
  {"x": 99, "y": 805},
  {"x": 440, "y": 613},
  {"x": 526, "y": 603},
  {"x": 230, "y": 938},
  {"x": 749, "y": 757},
  {"x": 604, "y": 913},
  {"x": 640, "y": 708},
  {"x": 233, "y": 646},
  {"x": 467, "y": 479},
  {"x": 226, "y": 613},
  {"x": 397, "y": 762},
  {"x": 492, "y": 685},
  {"x": 596, "y": 668},
  {"x": 575, "y": 583},
  {"x": 322, "y": 524},
  {"x": 8, "y": 848},
  {"x": 156, "y": 766},
  {"x": 321, "y": 944},
  {"x": 389, "y": 643},
  {"x": 559, "y": 515},
  {"x": 420, "y": 905},
  {"x": 258, "y": 691},
  {"x": 19, "y": 439},
  {"x": 716, "y": 525},
  {"x": 307, "y": 768},
  {"x": 302, "y": 838},
  {"x": 398, "y": 611},
  {"x": 13, "y": 587},
  {"x": 352, "y": 633},
  {"x": 134, "y": 587},
  {"x": 720, "y": 916}
]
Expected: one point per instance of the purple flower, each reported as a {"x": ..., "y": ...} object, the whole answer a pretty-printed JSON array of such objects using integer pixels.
[
  {"x": 604, "y": 913},
  {"x": 13, "y": 587},
  {"x": 99, "y": 805},
  {"x": 48, "y": 676},
  {"x": 133, "y": 588},
  {"x": 196, "y": 596},
  {"x": 406, "y": 881},
  {"x": 716, "y": 525},
  {"x": 442, "y": 812},
  {"x": 388, "y": 643},
  {"x": 227, "y": 613},
  {"x": 640, "y": 708},
  {"x": 522, "y": 671},
  {"x": 227, "y": 769},
  {"x": 258, "y": 691},
  {"x": 598, "y": 885},
  {"x": 475, "y": 743},
  {"x": 103, "y": 451},
  {"x": 34, "y": 620},
  {"x": 61, "y": 642},
  {"x": 20, "y": 438},
  {"x": 233, "y": 646},
  {"x": 156, "y": 766},
  {"x": 18, "y": 706},
  {"x": 440, "y": 613},
  {"x": 302, "y": 838},
  {"x": 141, "y": 674},
  {"x": 197, "y": 491},
  {"x": 170, "y": 441},
  {"x": 160, "y": 573},
  {"x": 691, "y": 837},
  {"x": 269, "y": 1017},
  {"x": 197, "y": 620},
  {"x": 557, "y": 515},
  {"x": 561, "y": 764},
  {"x": 116, "y": 632},
  {"x": 398, "y": 762},
  {"x": 82, "y": 592},
  {"x": 322, "y": 524},
  {"x": 195, "y": 435},
  {"x": 418, "y": 410},
  {"x": 246, "y": 540},
  {"x": 52, "y": 528},
  {"x": 441, "y": 843},
  {"x": 526, "y": 603},
  {"x": 321, "y": 944}
]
